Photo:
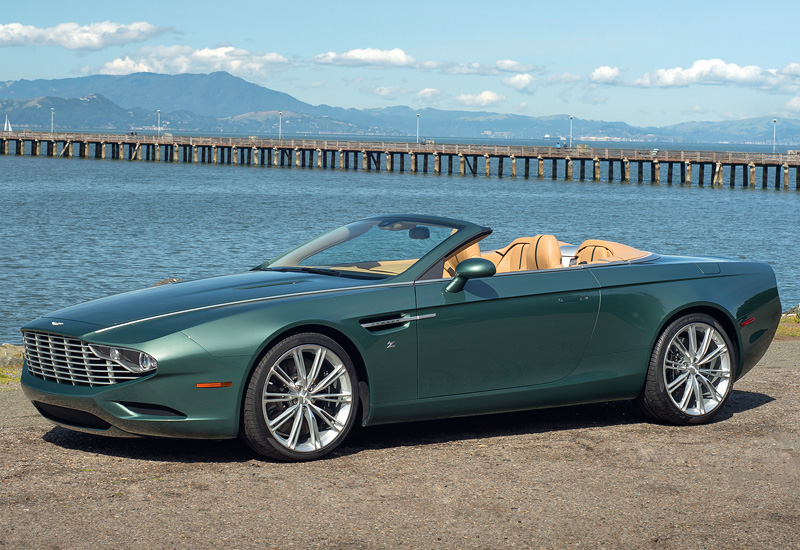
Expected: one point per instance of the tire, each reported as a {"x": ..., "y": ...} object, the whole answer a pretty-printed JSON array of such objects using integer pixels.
[
  {"x": 301, "y": 400},
  {"x": 691, "y": 371}
]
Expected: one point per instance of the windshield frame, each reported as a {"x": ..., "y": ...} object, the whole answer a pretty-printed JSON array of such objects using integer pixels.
[{"x": 291, "y": 259}]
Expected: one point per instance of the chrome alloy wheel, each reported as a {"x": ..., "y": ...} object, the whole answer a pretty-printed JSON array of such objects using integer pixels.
[
  {"x": 308, "y": 398},
  {"x": 697, "y": 369}
]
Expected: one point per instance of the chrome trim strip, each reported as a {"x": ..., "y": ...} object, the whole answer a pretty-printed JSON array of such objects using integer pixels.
[
  {"x": 398, "y": 321},
  {"x": 252, "y": 301}
]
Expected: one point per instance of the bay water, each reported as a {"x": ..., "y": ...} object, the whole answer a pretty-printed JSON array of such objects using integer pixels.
[{"x": 76, "y": 229}]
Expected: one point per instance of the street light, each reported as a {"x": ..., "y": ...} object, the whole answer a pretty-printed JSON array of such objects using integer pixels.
[
  {"x": 774, "y": 129},
  {"x": 417, "y": 127},
  {"x": 570, "y": 131},
  {"x": 280, "y": 124},
  {"x": 52, "y": 111},
  {"x": 159, "y": 123}
]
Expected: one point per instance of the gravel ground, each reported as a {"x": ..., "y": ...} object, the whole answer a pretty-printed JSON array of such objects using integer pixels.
[{"x": 594, "y": 476}]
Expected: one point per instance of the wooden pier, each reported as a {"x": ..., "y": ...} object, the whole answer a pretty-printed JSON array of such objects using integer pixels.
[{"x": 714, "y": 168}]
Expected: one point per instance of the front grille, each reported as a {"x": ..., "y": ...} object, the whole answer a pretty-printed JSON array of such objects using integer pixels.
[{"x": 70, "y": 361}]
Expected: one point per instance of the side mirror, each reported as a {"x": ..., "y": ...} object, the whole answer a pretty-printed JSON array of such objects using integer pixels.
[{"x": 471, "y": 268}]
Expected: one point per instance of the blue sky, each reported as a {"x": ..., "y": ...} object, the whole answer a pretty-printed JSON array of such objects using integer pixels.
[{"x": 640, "y": 62}]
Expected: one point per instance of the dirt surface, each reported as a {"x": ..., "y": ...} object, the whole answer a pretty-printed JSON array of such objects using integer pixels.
[{"x": 594, "y": 476}]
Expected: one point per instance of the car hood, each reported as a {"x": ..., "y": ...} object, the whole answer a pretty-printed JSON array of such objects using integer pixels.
[{"x": 187, "y": 296}]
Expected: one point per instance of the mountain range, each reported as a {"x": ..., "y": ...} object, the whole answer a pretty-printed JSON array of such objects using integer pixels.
[{"x": 220, "y": 102}]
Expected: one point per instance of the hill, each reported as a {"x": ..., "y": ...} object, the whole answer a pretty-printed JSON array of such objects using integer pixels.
[{"x": 220, "y": 102}]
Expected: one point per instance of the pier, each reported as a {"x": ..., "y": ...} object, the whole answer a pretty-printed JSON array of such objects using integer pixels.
[{"x": 714, "y": 168}]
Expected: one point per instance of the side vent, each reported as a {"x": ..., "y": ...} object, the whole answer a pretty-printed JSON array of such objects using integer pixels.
[{"x": 377, "y": 324}]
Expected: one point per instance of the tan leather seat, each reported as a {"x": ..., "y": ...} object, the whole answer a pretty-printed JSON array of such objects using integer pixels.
[
  {"x": 510, "y": 258},
  {"x": 472, "y": 251},
  {"x": 526, "y": 253},
  {"x": 597, "y": 251},
  {"x": 543, "y": 253}
]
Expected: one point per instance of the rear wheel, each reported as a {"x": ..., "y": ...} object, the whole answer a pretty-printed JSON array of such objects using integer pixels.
[
  {"x": 301, "y": 400},
  {"x": 690, "y": 376}
]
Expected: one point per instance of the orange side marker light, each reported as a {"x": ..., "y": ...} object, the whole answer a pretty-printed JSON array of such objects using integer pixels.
[{"x": 215, "y": 384}]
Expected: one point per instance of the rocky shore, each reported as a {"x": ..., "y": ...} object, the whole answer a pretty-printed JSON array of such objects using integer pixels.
[{"x": 10, "y": 355}]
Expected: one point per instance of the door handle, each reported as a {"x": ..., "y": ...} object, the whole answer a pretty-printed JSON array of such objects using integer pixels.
[{"x": 574, "y": 298}]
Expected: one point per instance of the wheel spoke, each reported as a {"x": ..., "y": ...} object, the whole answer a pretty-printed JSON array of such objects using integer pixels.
[
  {"x": 327, "y": 418},
  {"x": 294, "y": 435},
  {"x": 706, "y": 342},
  {"x": 677, "y": 382},
  {"x": 283, "y": 377},
  {"x": 319, "y": 358},
  {"x": 333, "y": 397},
  {"x": 300, "y": 366},
  {"x": 282, "y": 418},
  {"x": 710, "y": 387},
  {"x": 313, "y": 429},
  {"x": 698, "y": 396},
  {"x": 717, "y": 373},
  {"x": 278, "y": 397},
  {"x": 713, "y": 355},
  {"x": 691, "y": 331},
  {"x": 687, "y": 393},
  {"x": 336, "y": 373},
  {"x": 674, "y": 365},
  {"x": 682, "y": 349}
]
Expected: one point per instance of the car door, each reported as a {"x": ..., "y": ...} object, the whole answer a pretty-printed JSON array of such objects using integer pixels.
[{"x": 506, "y": 331}]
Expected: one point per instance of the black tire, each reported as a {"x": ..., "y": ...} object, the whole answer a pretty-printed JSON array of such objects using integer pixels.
[
  {"x": 296, "y": 414},
  {"x": 686, "y": 386}
]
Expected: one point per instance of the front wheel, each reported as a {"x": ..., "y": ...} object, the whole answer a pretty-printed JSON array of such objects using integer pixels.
[
  {"x": 301, "y": 400},
  {"x": 691, "y": 371}
]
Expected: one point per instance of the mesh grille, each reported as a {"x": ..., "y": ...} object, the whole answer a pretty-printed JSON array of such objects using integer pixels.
[{"x": 70, "y": 361}]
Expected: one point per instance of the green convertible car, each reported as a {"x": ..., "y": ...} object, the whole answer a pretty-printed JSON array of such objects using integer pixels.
[{"x": 399, "y": 318}]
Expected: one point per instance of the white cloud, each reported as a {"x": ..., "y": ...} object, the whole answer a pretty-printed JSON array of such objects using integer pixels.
[
  {"x": 470, "y": 68},
  {"x": 563, "y": 78},
  {"x": 712, "y": 71},
  {"x": 185, "y": 59},
  {"x": 482, "y": 99},
  {"x": 429, "y": 95},
  {"x": 605, "y": 75},
  {"x": 95, "y": 36},
  {"x": 367, "y": 57},
  {"x": 511, "y": 66},
  {"x": 793, "y": 104},
  {"x": 389, "y": 92},
  {"x": 521, "y": 82},
  {"x": 792, "y": 69}
]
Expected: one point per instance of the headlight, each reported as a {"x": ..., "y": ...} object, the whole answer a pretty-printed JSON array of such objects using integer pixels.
[{"x": 131, "y": 359}]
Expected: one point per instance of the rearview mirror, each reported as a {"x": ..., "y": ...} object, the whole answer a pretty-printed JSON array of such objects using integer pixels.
[{"x": 471, "y": 268}]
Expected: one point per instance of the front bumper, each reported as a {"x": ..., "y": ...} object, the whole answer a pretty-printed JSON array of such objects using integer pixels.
[{"x": 167, "y": 403}]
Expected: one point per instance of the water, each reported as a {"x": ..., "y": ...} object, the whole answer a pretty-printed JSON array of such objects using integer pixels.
[{"x": 74, "y": 230}]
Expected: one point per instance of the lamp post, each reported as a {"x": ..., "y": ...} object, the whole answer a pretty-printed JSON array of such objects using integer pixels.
[
  {"x": 417, "y": 127},
  {"x": 774, "y": 130},
  {"x": 280, "y": 124},
  {"x": 159, "y": 123},
  {"x": 570, "y": 131},
  {"x": 52, "y": 112}
]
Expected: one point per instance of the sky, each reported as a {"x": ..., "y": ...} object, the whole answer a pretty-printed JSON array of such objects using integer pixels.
[{"x": 644, "y": 63}]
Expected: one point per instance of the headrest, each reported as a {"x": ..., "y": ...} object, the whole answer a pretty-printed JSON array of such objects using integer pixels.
[{"x": 544, "y": 253}]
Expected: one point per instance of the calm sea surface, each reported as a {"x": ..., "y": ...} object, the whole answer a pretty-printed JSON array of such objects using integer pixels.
[{"x": 73, "y": 230}]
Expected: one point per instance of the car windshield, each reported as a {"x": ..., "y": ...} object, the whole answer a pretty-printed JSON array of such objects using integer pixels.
[{"x": 368, "y": 248}]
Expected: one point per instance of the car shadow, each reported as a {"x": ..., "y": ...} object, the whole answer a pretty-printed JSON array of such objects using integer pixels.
[{"x": 405, "y": 434}]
